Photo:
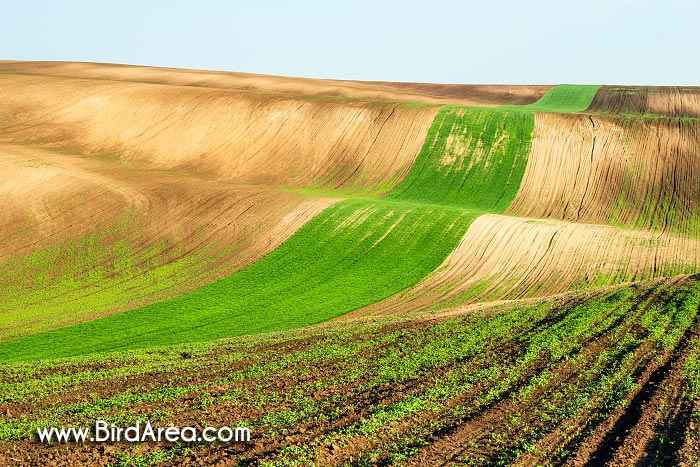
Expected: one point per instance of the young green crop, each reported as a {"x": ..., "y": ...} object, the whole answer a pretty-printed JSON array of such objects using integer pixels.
[
  {"x": 565, "y": 98},
  {"x": 354, "y": 253},
  {"x": 51, "y": 287},
  {"x": 342, "y": 260},
  {"x": 548, "y": 367},
  {"x": 472, "y": 158}
]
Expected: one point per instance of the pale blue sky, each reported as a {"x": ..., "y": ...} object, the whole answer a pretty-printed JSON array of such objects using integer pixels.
[{"x": 490, "y": 41}]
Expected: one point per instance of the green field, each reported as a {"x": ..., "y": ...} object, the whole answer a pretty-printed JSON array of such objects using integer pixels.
[
  {"x": 353, "y": 254},
  {"x": 72, "y": 280},
  {"x": 565, "y": 98},
  {"x": 472, "y": 157},
  {"x": 382, "y": 331},
  {"x": 384, "y": 390}
]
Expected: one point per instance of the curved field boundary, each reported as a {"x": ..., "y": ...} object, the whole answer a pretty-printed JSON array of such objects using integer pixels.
[
  {"x": 504, "y": 257},
  {"x": 630, "y": 172},
  {"x": 357, "y": 147},
  {"x": 635, "y": 174},
  {"x": 80, "y": 240},
  {"x": 468, "y": 152},
  {"x": 117, "y": 195},
  {"x": 565, "y": 98},
  {"x": 352, "y": 254},
  {"x": 673, "y": 101}
]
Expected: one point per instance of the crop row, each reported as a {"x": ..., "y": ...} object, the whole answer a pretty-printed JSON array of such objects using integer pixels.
[{"x": 525, "y": 382}]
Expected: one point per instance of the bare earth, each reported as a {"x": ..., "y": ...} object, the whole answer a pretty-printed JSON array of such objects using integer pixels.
[{"x": 465, "y": 94}]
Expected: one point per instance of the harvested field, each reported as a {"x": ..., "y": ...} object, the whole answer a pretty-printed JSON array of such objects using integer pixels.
[
  {"x": 673, "y": 101},
  {"x": 593, "y": 379},
  {"x": 507, "y": 258},
  {"x": 631, "y": 172},
  {"x": 463, "y": 94}
]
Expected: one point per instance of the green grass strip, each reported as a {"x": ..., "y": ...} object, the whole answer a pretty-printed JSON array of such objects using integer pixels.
[
  {"x": 472, "y": 158},
  {"x": 565, "y": 98},
  {"x": 354, "y": 253}
]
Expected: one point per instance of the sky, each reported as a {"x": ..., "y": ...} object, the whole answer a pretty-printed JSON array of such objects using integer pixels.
[{"x": 490, "y": 41}]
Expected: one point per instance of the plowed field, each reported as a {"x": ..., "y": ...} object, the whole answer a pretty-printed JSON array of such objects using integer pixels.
[{"x": 362, "y": 273}]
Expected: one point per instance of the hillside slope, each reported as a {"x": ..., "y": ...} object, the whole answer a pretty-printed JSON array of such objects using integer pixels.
[
  {"x": 604, "y": 199},
  {"x": 238, "y": 136},
  {"x": 194, "y": 178},
  {"x": 81, "y": 239},
  {"x": 673, "y": 101},
  {"x": 353, "y": 254},
  {"x": 120, "y": 194},
  {"x": 148, "y": 217},
  {"x": 464, "y": 94},
  {"x": 628, "y": 171},
  {"x": 507, "y": 258}
]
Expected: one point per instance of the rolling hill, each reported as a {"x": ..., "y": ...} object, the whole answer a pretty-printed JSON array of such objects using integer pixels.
[{"x": 365, "y": 273}]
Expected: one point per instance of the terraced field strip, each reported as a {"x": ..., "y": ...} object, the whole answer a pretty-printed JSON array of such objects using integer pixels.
[
  {"x": 527, "y": 385},
  {"x": 472, "y": 158},
  {"x": 354, "y": 253}
]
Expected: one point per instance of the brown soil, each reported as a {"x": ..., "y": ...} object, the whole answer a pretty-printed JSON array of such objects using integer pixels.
[
  {"x": 648, "y": 430},
  {"x": 628, "y": 435},
  {"x": 50, "y": 199},
  {"x": 674, "y": 101},
  {"x": 360, "y": 402},
  {"x": 504, "y": 257},
  {"x": 212, "y": 162},
  {"x": 634, "y": 172},
  {"x": 481, "y": 435},
  {"x": 210, "y": 173},
  {"x": 583, "y": 171},
  {"x": 466, "y": 94},
  {"x": 251, "y": 138}
]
